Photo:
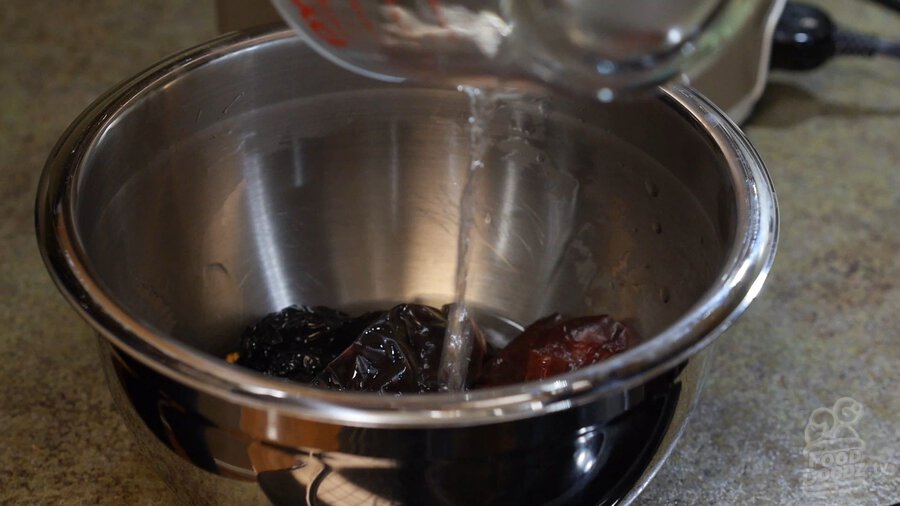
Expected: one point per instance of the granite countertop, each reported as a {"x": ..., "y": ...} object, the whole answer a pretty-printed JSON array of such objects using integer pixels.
[{"x": 826, "y": 326}]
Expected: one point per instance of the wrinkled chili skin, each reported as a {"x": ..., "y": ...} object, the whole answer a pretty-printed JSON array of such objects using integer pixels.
[
  {"x": 299, "y": 341},
  {"x": 399, "y": 352},
  {"x": 552, "y": 346}
]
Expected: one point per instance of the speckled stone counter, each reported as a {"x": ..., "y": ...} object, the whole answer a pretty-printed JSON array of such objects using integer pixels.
[{"x": 825, "y": 328}]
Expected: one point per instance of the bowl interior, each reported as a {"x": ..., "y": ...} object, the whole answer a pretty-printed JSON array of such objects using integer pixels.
[{"x": 268, "y": 178}]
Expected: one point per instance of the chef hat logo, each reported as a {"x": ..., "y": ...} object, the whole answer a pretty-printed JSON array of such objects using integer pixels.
[{"x": 832, "y": 429}]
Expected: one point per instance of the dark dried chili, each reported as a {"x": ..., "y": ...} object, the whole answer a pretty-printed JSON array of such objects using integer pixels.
[{"x": 399, "y": 350}]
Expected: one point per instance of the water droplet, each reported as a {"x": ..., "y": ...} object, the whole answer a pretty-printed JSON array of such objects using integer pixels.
[
  {"x": 664, "y": 295},
  {"x": 540, "y": 158},
  {"x": 487, "y": 219},
  {"x": 606, "y": 67},
  {"x": 217, "y": 267},
  {"x": 651, "y": 188},
  {"x": 605, "y": 95},
  {"x": 657, "y": 227},
  {"x": 674, "y": 36}
]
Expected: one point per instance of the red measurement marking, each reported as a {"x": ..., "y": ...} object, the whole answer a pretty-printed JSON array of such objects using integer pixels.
[
  {"x": 323, "y": 4},
  {"x": 321, "y": 21},
  {"x": 361, "y": 15}
]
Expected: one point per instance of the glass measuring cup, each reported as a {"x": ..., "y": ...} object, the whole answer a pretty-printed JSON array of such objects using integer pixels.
[{"x": 603, "y": 48}]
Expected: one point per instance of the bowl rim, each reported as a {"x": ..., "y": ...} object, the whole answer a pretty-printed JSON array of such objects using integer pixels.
[{"x": 747, "y": 265}]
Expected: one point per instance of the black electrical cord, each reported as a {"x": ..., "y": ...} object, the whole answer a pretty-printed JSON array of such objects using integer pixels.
[
  {"x": 806, "y": 37},
  {"x": 860, "y": 44}
]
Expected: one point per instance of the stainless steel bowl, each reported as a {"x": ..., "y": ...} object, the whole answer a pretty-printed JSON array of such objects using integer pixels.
[{"x": 245, "y": 175}]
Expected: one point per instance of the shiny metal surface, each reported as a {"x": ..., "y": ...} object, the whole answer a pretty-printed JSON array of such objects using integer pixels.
[
  {"x": 735, "y": 78},
  {"x": 246, "y": 175},
  {"x": 599, "y": 454}
]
